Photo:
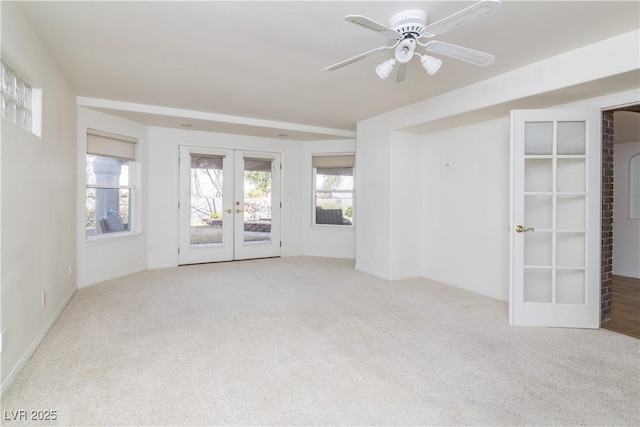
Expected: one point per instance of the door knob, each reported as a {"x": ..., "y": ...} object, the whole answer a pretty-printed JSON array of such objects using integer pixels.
[
  {"x": 228, "y": 210},
  {"x": 522, "y": 229},
  {"x": 238, "y": 210}
]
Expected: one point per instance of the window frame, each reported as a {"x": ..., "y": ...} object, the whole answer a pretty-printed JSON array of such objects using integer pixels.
[
  {"x": 132, "y": 223},
  {"x": 315, "y": 191}
]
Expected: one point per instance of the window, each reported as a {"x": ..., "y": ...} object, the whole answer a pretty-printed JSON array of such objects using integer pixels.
[
  {"x": 333, "y": 189},
  {"x": 110, "y": 178},
  {"x": 17, "y": 105}
]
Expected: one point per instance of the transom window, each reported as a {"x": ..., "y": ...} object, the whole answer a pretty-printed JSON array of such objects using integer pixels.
[{"x": 17, "y": 100}]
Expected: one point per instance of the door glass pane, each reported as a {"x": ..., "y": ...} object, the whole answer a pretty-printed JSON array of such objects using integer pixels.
[
  {"x": 257, "y": 200},
  {"x": 570, "y": 286},
  {"x": 538, "y": 138},
  {"x": 206, "y": 199},
  {"x": 572, "y": 137},
  {"x": 571, "y": 213},
  {"x": 537, "y": 285},
  {"x": 538, "y": 212},
  {"x": 538, "y": 175},
  {"x": 571, "y": 176},
  {"x": 537, "y": 248},
  {"x": 570, "y": 248}
]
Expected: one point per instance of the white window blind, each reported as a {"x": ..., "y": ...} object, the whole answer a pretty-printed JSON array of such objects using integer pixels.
[
  {"x": 340, "y": 161},
  {"x": 106, "y": 144},
  {"x": 334, "y": 165}
]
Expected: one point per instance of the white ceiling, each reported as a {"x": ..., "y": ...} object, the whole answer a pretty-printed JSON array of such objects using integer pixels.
[
  {"x": 265, "y": 59},
  {"x": 626, "y": 127}
]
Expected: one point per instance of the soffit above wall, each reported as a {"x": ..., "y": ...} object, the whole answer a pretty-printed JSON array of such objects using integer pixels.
[
  {"x": 614, "y": 84},
  {"x": 151, "y": 115}
]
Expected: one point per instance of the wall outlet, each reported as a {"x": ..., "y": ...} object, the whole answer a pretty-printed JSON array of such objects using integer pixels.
[
  {"x": 43, "y": 298},
  {"x": 3, "y": 339},
  {"x": 69, "y": 269}
]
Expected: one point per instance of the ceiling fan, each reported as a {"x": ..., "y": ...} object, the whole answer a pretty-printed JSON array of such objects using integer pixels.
[{"x": 409, "y": 28}]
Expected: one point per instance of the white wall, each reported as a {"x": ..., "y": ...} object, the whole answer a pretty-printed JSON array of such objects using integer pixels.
[
  {"x": 407, "y": 213},
  {"x": 373, "y": 198},
  {"x": 466, "y": 243},
  {"x": 38, "y": 201},
  {"x": 156, "y": 245},
  {"x": 109, "y": 257},
  {"x": 324, "y": 241},
  {"x": 379, "y": 199},
  {"x": 465, "y": 194},
  {"x": 464, "y": 197},
  {"x": 626, "y": 231},
  {"x": 464, "y": 239},
  {"x": 162, "y": 174}
]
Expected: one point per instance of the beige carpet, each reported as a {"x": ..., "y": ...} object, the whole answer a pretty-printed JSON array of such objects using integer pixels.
[{"x": 311, "y": 341}]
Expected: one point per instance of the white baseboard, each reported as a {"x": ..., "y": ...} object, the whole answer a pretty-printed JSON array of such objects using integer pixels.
[
  {"x": 625, "y": 273},
  {"x": 83, "y": 283},
  {"x": 36, "y": 343}
]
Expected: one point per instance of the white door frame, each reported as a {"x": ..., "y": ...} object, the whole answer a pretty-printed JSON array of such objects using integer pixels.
[{"x": 232, "y": 246}]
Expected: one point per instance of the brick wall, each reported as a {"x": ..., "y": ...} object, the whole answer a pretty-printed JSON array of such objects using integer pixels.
[{"x": 607, "y": 216}]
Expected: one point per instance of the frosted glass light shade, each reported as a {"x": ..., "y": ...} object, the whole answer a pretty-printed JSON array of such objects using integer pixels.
[
  {"x": 384, "y": 70},
  {"x": 431, "y": 64}
]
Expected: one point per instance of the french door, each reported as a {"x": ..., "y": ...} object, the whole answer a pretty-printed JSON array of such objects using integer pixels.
[
  {"x": 555, "y": 219},
  {"x": 229, "y": 205}
]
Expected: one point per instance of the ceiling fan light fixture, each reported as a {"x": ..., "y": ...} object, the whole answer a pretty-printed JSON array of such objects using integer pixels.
[
  {"x": 404, "y": 51},
  {"x": 431, "y": 64},
  {"x": 409, "y": 29},
  {"x": 384, "y": 70}
]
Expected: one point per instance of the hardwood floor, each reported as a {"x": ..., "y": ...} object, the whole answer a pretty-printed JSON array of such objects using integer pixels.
[{"x": 625, "y": 307}]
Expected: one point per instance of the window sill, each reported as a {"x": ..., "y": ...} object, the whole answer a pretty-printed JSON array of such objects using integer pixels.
[
  {"x": 332, "y": 227},
  {"x": 105, "y": 239}
]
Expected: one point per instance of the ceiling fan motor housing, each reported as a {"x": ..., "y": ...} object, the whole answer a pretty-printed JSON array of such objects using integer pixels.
[{"x": 409, "y": 23}]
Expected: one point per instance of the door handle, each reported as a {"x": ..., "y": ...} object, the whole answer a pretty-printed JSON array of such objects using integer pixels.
[
  {"x": 238, "y": 210},
  {"x": 522, "y": 229},
  {"x": 228, "y": 210}
]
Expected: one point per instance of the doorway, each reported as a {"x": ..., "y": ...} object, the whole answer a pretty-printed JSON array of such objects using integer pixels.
[
  {"x": 620, "y": 281},
  {"x": 229, "y": 205}
]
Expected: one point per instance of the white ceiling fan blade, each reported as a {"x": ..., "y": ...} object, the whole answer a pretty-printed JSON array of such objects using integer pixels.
[
  {"x": 372, "y": 25},
  {"x": 402, "y": 72},
  {"x": 462, "y": 17},
  {"x": 358, "y": 57},
  {"x": 472, "y": 56}
]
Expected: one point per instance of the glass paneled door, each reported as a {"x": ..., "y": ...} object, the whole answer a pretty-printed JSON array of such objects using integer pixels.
[
  {"x": 555, "y": 232},
  {"x": 257, "y": 222},
  {"x": 206, "y": 205},
  {"x": 229, "y": 205}
]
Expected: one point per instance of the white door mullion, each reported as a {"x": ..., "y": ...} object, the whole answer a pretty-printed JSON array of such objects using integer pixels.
[{"x": 554, "y": 214}]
